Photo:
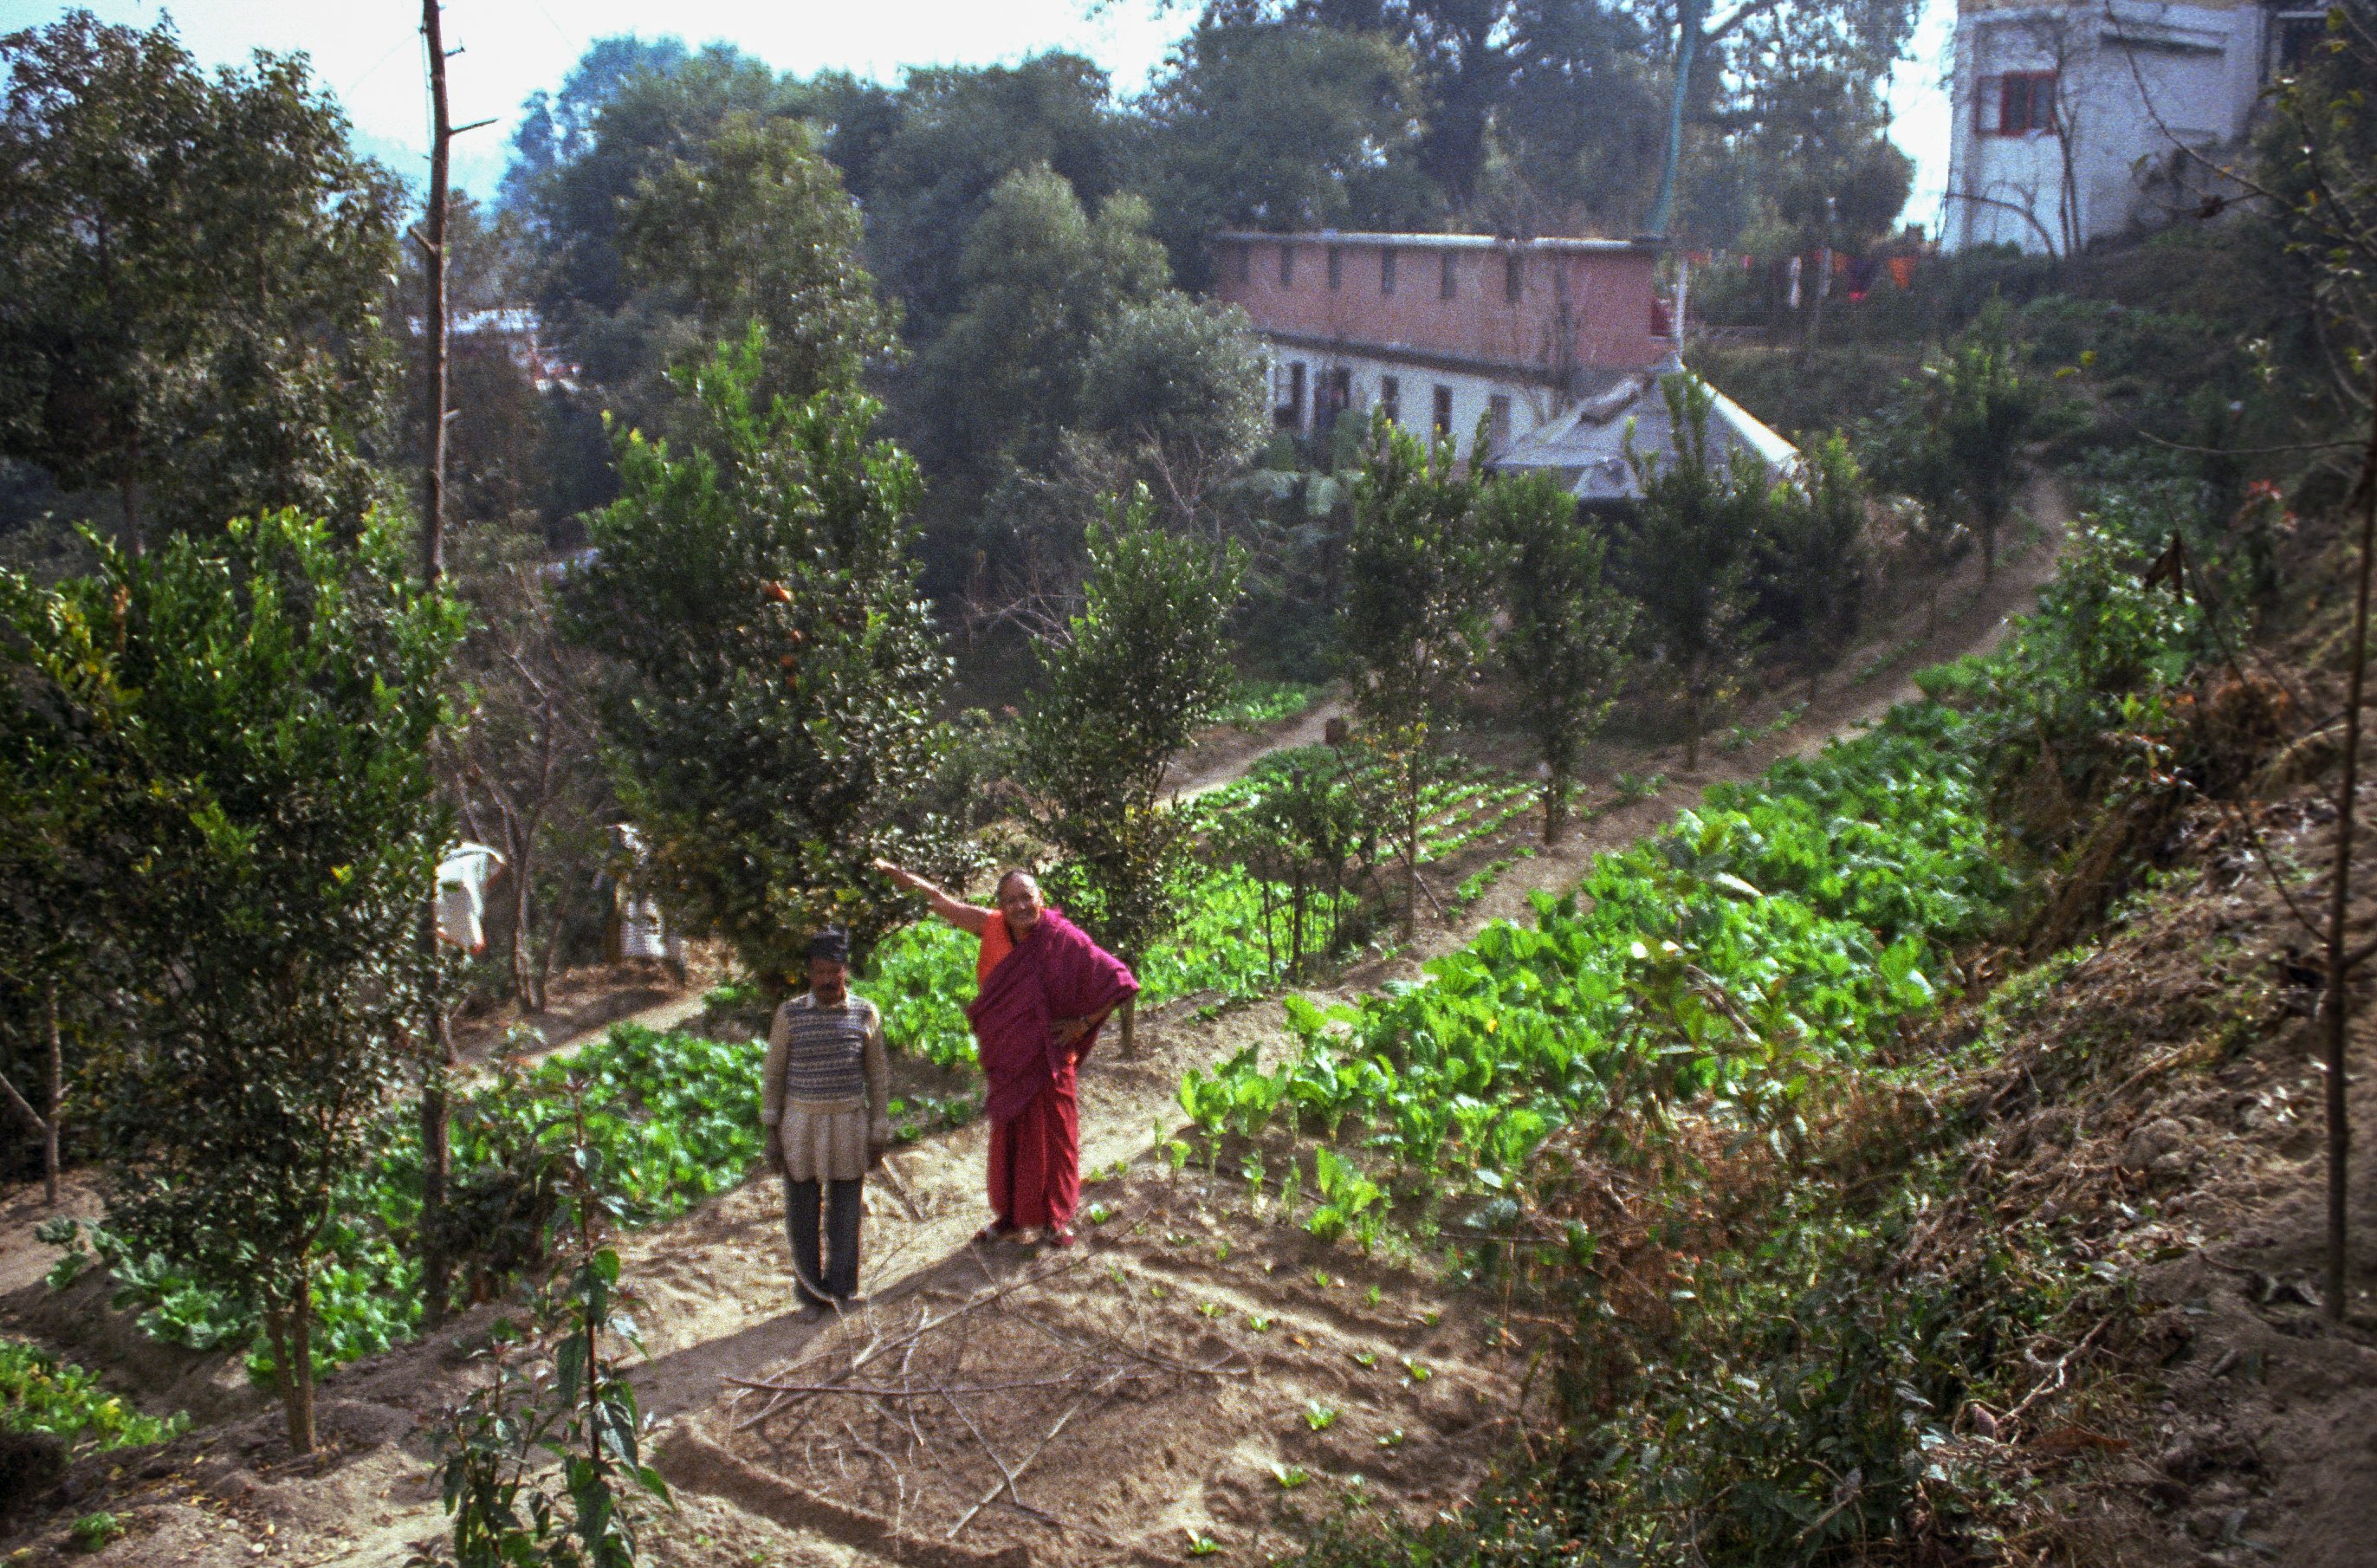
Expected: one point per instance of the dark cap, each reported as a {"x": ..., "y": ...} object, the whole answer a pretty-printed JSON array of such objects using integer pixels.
[{"x": 832, "y": 943}]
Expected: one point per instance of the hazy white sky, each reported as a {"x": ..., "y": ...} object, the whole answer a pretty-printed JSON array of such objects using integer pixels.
[{"x": 369, "y": 54}]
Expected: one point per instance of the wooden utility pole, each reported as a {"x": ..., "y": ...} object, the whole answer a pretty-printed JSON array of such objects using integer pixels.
[
  {"x": 2337, "y": 1003},
  {"x": 437, "y": 1142}
]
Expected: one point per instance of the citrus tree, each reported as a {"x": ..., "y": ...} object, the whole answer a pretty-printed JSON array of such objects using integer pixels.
[
  {"x": 1564, "y": 641},
  {"x": 1815, "y": 552},
  {"x": 1689, "y": 551},
  {"x": 264, "y": 723},
  {"x": 1137, "y": 674},
  {"x": 772, "y": 668},
  {"x": 1411, "y": 622},
  {"x": 1982, "y": 409}
]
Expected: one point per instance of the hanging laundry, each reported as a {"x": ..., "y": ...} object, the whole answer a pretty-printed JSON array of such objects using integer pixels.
[
  {"x": 1861, "y": 275},
  {"x": 1902, "y": 271},
  {"x": 1792, "y": 271},
  {"x": 462, "y": 877}
]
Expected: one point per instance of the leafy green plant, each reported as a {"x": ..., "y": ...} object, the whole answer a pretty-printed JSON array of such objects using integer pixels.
[
  {"x": 1319, "y": 1417},
  {"x": 1256, "y": 703},
  {"x": 1290, "y": 1476},
  {"x": 1636, "y": 786},
  {"x": 93, "y": 1531},
  {"x": 39, "y": 1393},
  {"x": 573, "y": 1403},
  {"x": 732, "y": 996}
]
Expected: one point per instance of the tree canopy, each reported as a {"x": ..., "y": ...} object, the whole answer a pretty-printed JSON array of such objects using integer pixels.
[
  {"x": 193, "y": 285},
  {"x": 773, "y": 670}
]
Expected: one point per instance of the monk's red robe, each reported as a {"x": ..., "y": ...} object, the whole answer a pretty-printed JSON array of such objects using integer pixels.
[{"x": 1029, "y": 1076}]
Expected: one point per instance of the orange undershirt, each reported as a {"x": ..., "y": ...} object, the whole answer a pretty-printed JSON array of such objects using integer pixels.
[{"x": 997, "y": 943}]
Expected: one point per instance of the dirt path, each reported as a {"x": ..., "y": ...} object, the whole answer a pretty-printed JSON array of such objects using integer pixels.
[
  {"x": 714, "y": 1280},
  {"x": 1236, "y": 1360},
  {"x": 1225, "y": 758}
]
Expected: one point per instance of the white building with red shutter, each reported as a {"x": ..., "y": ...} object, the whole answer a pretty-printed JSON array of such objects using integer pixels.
[{"x": 2081, "y": 120}]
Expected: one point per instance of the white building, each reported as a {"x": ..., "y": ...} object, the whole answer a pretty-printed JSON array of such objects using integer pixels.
[{"x": 2077, "y": 121}]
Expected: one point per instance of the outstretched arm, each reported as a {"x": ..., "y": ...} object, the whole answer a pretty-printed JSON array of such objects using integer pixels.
[{"x": 965, "y": 916}]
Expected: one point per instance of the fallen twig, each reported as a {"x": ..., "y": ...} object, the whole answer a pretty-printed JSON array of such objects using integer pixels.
[
  {"x": 2056, "y": 1374},
  {"x": 992, "y": 1495},
  {"x": 887, "y": 1390}
]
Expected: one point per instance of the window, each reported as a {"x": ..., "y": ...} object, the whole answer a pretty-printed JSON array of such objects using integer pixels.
[
  {"x": 1391, "y": 395},
  {"x": 1387, "y": 271},
  {"x": 1336, "y": 397},
  {"x": 2294, "y": 36},
  {"x": 1512, "y": 269},
  {"x": 1288, "y": 267},
  {"x": 1336, "y": 267},
  {"x": 2018, "y": 103},
  {"x": 1444, "y": 283},
  {"x": 1497, "y": 421},
  {"x": 1287, "y": 395},
  {"x": 1442, "y": 423}
]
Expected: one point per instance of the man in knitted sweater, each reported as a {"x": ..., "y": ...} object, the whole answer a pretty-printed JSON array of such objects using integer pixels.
[{"x": 822, "y": 1100}]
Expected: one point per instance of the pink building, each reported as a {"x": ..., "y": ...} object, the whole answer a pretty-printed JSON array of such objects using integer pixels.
[{"x": 1445, "y": 329}]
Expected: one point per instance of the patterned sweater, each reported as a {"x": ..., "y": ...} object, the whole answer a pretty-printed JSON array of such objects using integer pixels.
[{"x": 825, "y": 1055}]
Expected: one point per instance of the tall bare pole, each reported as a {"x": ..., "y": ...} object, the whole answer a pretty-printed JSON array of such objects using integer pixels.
[
  {"x": 2338, "y": 1000},
  {"x": 437, "y": 1142}
]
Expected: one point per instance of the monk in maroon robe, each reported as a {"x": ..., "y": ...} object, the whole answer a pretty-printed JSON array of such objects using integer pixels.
[{"x": 1046, "y": 990}]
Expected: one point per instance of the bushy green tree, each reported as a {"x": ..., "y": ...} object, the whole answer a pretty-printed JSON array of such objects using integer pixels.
[
  {"x": 193, "y": 276},
  {"x": 267, "y": 709},
  {"x": 1689, "y": 549},
  {"x": 1041, "y": 278},
  {"x": 627, "y": 113},
  {"x": 925, "y": 159},
  {"x": 752, "y": 225},
  {"x": 773, "y": 670},
  {"x": 1173, "y": 397},
  {"x": 1285, "y": 127},
  {"x": 1981, "y": 409},
  {"x": 1813, "y": 554},
  {"x": 1412, "y": 619},
  {"x": 1139, "y": 672},
  {"x": 1174, "y": 386},
  {"x": 1565, "y": 639},
  {"x": 72, "y": 805}
]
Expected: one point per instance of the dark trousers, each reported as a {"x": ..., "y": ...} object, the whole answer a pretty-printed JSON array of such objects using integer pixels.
[{"x": 839, "y": 1272}]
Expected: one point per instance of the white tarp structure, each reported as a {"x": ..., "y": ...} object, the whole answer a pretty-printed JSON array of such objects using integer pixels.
[
  {"x": 638, "y": 929},
  {"x": 462, "y": 877},
  {"x": 1586, "y": 445}
]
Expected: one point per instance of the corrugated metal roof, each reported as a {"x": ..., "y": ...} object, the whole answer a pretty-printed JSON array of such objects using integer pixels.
[
  {"x": 1586, "y": 445},
  {"x": 1441, "y": 241}
]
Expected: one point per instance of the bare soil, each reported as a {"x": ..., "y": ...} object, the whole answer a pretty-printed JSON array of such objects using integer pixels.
[{"x": 1202, "y": 1357}]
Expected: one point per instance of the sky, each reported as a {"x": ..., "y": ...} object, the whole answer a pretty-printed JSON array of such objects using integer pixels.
[{"x": 369, "y": 54}]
